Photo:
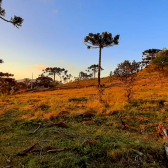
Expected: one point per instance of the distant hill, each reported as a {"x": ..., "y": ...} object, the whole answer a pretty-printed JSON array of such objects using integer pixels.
[{"x": 33, "y": 80}]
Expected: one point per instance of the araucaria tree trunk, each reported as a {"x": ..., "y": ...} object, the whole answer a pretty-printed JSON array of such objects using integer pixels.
[{"x": 99, "y": 66}]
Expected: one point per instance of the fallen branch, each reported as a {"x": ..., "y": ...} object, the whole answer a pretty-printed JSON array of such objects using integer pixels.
[
  {"x": 36, "y": 129},
  {"x": 25, "y": 151},
  {"x": 162, "y": 131},
  {"x": 55, "y": 150}
]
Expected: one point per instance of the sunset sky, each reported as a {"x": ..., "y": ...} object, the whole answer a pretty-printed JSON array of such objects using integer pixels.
[{"x": 53, "y": 32}]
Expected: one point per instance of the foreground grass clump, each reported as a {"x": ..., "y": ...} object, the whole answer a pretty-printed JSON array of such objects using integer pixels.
[{"x": 70, "y": 128}]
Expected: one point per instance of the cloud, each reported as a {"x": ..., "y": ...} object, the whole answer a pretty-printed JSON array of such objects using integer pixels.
[
  {"x": 69, "y": 66},
  {"x": 39, "y": 67},
  {"x": 61, "y": 60},
  {"x": 55, "y": 11}
]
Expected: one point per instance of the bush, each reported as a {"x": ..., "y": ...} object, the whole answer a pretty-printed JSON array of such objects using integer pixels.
[{"x": 52, "y": 85}]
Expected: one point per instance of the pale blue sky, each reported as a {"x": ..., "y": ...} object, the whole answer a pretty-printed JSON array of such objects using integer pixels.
[{"x": 53, "y": 31}]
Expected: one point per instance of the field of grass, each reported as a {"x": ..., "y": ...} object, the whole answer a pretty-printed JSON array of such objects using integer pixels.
[{"x": 88, "y": 134}]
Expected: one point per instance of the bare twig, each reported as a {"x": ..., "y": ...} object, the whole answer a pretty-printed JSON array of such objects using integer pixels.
[
  {"x": 25, "y": 151},
  {"x": 36, "y": 129},
  {"x": 55, "y": 150}
]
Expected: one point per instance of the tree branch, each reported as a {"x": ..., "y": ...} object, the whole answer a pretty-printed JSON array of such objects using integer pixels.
[{"x": 5, "y": 19}]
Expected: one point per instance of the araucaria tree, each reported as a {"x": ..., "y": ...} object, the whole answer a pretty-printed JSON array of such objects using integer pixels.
[
  {"x": 100, "y": 41},
  {"x": 54, "y": 71},
  {"x": 94, "y": 69},
  {"x": 16, "y": 21},
  {"x": 1, "y": 61},
  {"x": 126, "y": 72}
]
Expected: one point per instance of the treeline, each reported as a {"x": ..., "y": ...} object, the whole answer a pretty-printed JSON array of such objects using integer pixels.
[{"x": 45, "y": 80}]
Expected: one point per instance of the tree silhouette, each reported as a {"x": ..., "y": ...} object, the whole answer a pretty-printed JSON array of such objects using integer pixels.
[
  {"x": 126, "y": 72},
  {"x": 100, "y": 41},
  {"x": 20, "y": 85},
  {"x": 66, "y": 77},
  {"x": 43, "y": 80},
  {"x": 94, "y": 69},
  {"x": 83, "y": 75},
  {"x": 5, "y": 82},
  {"x": 54, "y": 71},
  {"x": 1, "y": 61},
  {"x": 162, "y": 60},
  {"x": 110, "y": 75},
  {"x": 16, "y": 21},
  {"x": 26, "y": 81},
  {"x": 149, "y": 55}
]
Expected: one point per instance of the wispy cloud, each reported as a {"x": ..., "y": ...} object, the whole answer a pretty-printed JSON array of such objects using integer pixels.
[
  {"x": 39, "y": 67},
  {"x": 69, "y": 66},
  {"x": 61, "y": 60}
]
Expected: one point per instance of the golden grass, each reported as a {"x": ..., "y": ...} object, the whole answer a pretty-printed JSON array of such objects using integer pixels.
[{"x": 57, "y": 100}]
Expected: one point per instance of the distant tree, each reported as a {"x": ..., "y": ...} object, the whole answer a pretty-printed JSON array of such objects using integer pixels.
[
  {"x": 7, "y": 84},
  {"x": 83, "y": 75},
  {"x": 160, "y": 64},
  {"x": 4, "y": 75},
  {"x": 110, "y": 75},
  {"x": 66, "y": 78},
  {"x": 100, "y": 41},
  {"x": 27, "y": 81},
  {"x": 16, "y": 21},
  {"x": 162, "y": 60},
  {"x": 20, "y": 85},
  {"x": 43, "y": 80},
  {"x": 126, "y": 72},
  {"x": 70, "y": 77},
  {"x": 94, "y": 69},
  {"x": 148, "y": 55},
  {"x": 54, "y": 71}
]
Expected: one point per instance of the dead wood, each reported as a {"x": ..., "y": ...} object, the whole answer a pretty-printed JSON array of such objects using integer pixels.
[
  {"x": 162, "y": 131},
  {"x": 36, "y": 129},
  {"x": 25, "y": 151},
  {"x": 55, "y": 150}
]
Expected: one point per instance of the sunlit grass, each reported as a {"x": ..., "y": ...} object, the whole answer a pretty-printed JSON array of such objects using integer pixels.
[{"x": 114, "y": 144}]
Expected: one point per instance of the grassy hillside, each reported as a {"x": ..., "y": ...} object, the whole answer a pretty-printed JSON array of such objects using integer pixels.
[{"x": 70, "y": 128}]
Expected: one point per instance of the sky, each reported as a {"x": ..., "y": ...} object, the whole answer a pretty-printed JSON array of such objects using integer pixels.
[{"x": 53, "y": 32}]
